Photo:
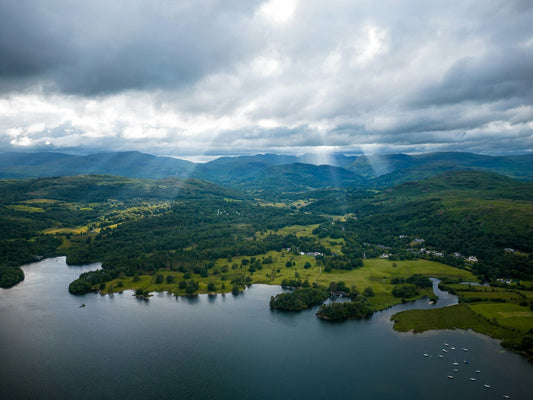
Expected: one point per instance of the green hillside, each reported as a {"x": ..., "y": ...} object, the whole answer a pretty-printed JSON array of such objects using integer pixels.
[{"x": 472, "y": 213}]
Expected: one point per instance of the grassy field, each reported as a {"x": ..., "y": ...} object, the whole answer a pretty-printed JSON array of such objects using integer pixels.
[
  {"x": 460, "y": 316},
  {"x": 25, "y": 208},
  {"x": 376, "y": 273},
  {"x": 298, "y": 230},
  {"x": 507, "y": 315}
]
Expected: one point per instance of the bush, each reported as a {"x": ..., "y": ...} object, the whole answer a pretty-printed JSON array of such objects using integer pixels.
[
  {"x": 405, "y": 291},
  {"x": 191, "y": 287}
]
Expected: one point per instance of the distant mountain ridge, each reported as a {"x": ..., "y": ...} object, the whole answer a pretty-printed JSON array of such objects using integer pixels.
[
  {"x": 392, "y": 169},
  {"x": 268, "y": 171},
  {"x": 130, "y": 164}
]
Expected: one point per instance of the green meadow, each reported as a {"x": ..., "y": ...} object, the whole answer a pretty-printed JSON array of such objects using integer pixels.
[
  {"x": 459, "y": 316},
  {"x": 375, "y": 273}
]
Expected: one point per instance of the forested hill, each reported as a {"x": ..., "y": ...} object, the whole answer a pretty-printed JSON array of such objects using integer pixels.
[
  {"x": 467, "y": 212},
  {"x": 131, "y": 164},
  {"x": 391, "y": 169},
  {"x": 471, "y": 184},
  {"x": 97, "y": 188}
]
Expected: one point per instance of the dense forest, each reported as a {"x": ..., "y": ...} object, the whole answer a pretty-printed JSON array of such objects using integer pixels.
[{"x": 137, "y": 226}]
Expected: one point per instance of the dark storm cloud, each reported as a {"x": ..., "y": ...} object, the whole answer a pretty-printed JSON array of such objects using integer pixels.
[
  {"x": 498, "y": 76},
  {"x": 98, "y": 47}
]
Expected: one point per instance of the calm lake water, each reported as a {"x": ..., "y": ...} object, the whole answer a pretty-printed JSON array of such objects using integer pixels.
[{"x": 228, "y": 347}]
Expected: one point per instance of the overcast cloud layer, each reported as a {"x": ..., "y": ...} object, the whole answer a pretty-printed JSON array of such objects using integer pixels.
[{"x": 189, "y": 78}]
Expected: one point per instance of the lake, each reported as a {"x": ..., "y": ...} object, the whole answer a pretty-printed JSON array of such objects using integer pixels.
[{"x": 228, "y": 347}]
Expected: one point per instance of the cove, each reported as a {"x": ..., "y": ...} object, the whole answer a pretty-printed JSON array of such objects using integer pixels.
[{"x": 228, "y": 347}]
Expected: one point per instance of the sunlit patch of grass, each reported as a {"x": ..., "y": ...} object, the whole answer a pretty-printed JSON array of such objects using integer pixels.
[
  {"x": 25, "y": 208},
  {"x": 376, "y": 273},
  {"x": 298, "y": 230},
  {"x": 506, "y": 314},
  {"x": 459, "y": 316},
  {"x": 40, "y": 201},
  {"x": 76, "y": 231}
]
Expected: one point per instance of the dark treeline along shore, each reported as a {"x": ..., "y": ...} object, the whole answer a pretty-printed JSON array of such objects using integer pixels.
[{"x": 341, "y": 230}]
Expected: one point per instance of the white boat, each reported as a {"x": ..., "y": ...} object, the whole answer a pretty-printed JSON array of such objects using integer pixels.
[
  {"x": 426, "y": 355},
  {"x": 450, "y": 377},
  {"x": 477, "y": 371},
  {"x": 453, "y": 348},
  {"x": 455, "y": 370},
  {"x": 444, "y": 350},
  {"x": 455, "y": 363},
  {"x": 487, "y": 386},
  {"x": 465, "y": 349},
  {"x": 506, "y": 396},
  {"x": 441, "y": 356},
  {"x": 473, "y": 379},
  {"x": 446, "y": 344}
]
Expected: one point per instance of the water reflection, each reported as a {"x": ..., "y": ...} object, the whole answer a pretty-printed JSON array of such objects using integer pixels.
[{"x": 226, "y": 347}]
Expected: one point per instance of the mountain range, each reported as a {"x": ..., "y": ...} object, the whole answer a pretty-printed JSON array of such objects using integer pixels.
[{"x": 267, "y": 171}]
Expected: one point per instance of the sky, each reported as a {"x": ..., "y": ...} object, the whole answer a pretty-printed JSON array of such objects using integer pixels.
[{"x": 205, "y": 78}]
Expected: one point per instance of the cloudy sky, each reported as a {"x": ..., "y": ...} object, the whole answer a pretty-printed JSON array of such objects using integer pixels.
[{"x": 213, "y": 77}]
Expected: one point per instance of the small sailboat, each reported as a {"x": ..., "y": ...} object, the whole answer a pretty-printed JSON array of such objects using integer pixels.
[
  {"x": 487, "y": 386},
  {"x": 446, "y": 344},
  {"x": 450, "y": 377},
  {"x": 426, "y": 355},
  {"x": 477, "y": 371},
  {"x": 455, "y": 363},
  {"x": 455, "y": 370},
  {"x": 465, "y": 349},
  {"x": 453, "y": 348},
  {"x": 444, "y": 350},
  {"x": 441, "y": 356},
  {"x": 473, "y": 379},
  {"x": 506, "y": 396},
  {"x": 465, "y": 362}
]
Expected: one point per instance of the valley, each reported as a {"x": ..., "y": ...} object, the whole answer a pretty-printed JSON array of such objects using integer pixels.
[{"x": 186, "y": 236}]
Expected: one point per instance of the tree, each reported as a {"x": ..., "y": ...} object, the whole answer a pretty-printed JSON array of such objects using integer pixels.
[
  {"x": 192, "y": 287},
  {"x": 159, "y": 279},
  {"x": 211, "y": 287},
  {"x": 170, "y": 279},
  {"x": 80, "y": 286},
  {"x": 368, "y": 292}
]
